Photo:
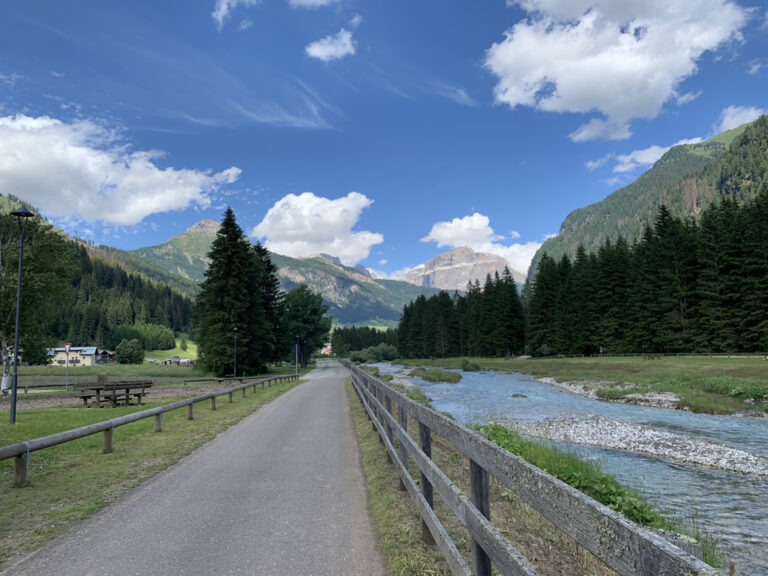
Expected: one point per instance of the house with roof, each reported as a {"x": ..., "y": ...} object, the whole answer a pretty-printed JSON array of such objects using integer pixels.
[{"x": 78, "y": 356}]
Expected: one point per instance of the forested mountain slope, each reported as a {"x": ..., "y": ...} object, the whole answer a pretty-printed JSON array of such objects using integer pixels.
[{"x": 684, "y": 179}]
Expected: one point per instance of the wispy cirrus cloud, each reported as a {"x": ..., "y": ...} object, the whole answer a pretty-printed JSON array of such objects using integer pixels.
[
  {"x": 455, "y": 93},
  {"x": 312, "y": 4},
  {"x": 223, "y": 8},
  {"x": 595, "y": 164},
  {"x": 9, "y": 79}
]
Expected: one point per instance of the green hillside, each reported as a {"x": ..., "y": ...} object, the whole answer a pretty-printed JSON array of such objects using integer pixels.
[
  {"x": 183, "y": 255},
  {"x": 684, "y": 179},
  {"x": 352, "y": 296}
]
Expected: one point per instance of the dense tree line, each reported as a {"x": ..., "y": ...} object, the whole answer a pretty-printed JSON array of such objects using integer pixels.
[
  {"x": 105, "y": 304},
  {"x": 684, "y": 286},
  {"x": 48, "y": 263},
  {"x": 346, "y": 339},
  {"x": 485, "y": 321},
  {"x": 241, "y": 316}
]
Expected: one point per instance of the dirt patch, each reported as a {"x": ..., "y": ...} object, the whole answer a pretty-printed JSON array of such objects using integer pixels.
[{"x": 35, "y": 401}]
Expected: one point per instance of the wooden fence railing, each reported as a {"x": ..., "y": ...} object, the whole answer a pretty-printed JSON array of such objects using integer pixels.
[
  {"x": 622, "y": 545},
  {"x": 21, "y": 450}
]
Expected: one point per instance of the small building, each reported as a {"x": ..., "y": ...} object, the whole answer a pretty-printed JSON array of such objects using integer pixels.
[{"x": 78, "y": 356}]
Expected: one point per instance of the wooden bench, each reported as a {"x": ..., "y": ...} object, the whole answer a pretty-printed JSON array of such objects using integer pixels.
[
  {"x": 122, "y": 391},
  {"x": 85, "y": 396},
  {"x": 115, "y": 393}
]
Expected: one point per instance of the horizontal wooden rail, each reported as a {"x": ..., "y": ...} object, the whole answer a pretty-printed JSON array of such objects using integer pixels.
[
  {"x": 624, "y": 546},
  {"x": 21, "y": 450}
]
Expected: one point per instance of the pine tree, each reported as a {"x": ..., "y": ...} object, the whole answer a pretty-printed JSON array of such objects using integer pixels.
[{"x": 231, "y": 296}]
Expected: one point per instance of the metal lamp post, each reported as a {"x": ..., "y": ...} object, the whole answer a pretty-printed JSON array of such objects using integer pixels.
[
  {"x": 234, "y": 331},
  {"x": 297, "y": 355},
  {"x": 21, "y": 213}
]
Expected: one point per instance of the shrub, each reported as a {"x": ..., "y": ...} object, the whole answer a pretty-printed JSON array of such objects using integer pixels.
[
  {"x": 129, "y": 352},
  {"x": 467, "y": 366}
]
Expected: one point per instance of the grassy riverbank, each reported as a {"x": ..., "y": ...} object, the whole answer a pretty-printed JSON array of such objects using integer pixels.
[
  {"x": 714, "y": 385},
  {"x": 72, "y": 481}
]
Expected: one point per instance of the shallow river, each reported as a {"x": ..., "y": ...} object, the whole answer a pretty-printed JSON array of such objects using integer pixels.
[{"x": 730, "y": 505}]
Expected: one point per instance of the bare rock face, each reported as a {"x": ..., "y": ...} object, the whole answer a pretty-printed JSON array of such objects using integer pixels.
[
  {"x": 205, "y": 228},
  {"x": 453, "y": 270}
]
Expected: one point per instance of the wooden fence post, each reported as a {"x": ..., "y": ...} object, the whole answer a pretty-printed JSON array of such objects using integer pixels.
[
  {"x": 190, "y": 411},
  {"x": 403, "y": 417},
  {"x": 159, "y": 422},
  {"x": 243, "y": 391},
  {"x": 388, "y": 405},
  {"x": 108, "y": 439},
  {"x": 21, "y": 470},
  {"x": 379, "y": 415},
  {"x": 372, "y": 392},
  {"x": 425, "y": 441},
  {"x": 230, "y": 397},
  {"x": 213, "y": 402},
  {"x": 481, "y": 498}
]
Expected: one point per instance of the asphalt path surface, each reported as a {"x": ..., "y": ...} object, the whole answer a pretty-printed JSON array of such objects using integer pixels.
[{"x": 280, "y": 493}]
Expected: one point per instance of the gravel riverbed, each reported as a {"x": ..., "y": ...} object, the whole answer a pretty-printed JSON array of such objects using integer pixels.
[{"x": 620, "y": 435}]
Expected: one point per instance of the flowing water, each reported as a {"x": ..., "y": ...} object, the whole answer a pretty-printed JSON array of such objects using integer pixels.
[{"x": 731, "y": 506}]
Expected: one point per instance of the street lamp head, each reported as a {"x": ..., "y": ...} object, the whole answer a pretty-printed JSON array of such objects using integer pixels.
[
  {"x": 234, "y": 329},
  {"x": 22, "y": 212}
]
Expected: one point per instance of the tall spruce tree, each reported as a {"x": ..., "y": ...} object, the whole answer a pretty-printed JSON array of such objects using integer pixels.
[
  {"x": 233, "y": 295},
  {"x": 306, "y": 321}
]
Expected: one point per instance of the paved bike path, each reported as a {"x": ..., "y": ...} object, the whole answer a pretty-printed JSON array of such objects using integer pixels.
[{"x": 280, "y": 493}]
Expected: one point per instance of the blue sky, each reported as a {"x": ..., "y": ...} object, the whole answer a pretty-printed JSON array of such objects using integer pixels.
[{"x": 380, "y": 132}]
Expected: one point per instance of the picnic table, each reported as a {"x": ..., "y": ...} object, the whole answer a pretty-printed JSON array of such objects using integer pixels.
[{"x": 120, "y": 391}]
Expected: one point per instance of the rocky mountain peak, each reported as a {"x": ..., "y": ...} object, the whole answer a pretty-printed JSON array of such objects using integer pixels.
[
  {"x": 454, "y": 269},
  {"x": 206, "y": 227}
]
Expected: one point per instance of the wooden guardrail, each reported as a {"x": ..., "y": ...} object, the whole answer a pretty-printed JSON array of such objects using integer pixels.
[
  {"x": 21, "y": 450},
  {"x": 625, "y": 547}
]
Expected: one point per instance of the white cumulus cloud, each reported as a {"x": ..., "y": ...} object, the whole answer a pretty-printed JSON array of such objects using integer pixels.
[
  {"x": 735, "y": 116},
  {"x": 80, "y": 170},
  {"x": 475, "y": 231},
  {"x": 646, "y": 157},
  {"x": 223, "y": 8},
  {"x": 306, "y": 224},
  {"x": 621, "y": 60},
  {"x": 332, "y": 47}
]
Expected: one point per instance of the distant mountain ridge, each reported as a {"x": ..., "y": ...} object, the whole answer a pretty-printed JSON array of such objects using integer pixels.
[
  {"x": 352, "y": 295},
  {"x": 684, "y": 179},
  {"x": 453, "y": 270}
]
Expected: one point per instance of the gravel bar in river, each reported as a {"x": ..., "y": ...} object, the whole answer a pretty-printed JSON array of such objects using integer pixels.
[{"x": 619, "y": 435}]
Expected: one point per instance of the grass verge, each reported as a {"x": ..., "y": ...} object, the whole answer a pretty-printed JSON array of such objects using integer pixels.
[
  {"x": 72, "y": 481},
  {"x": 715, "y": 385}
]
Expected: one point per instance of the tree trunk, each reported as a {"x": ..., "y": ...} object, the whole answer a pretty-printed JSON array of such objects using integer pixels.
[{"x": 6, "y": 365}]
